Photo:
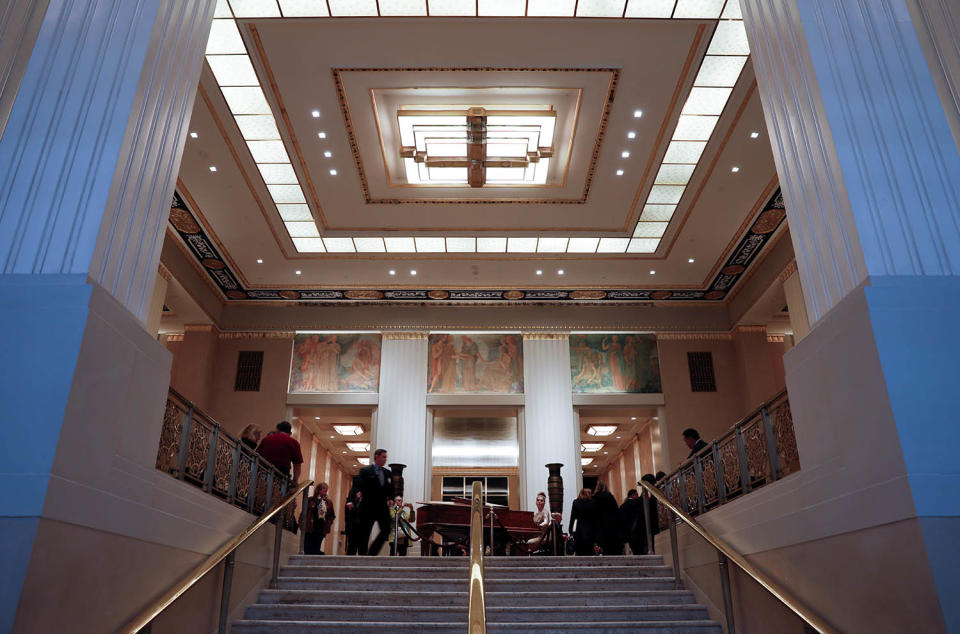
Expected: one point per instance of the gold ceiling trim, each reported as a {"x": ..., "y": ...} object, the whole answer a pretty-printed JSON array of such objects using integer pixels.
[
  {"x": 174, "y": 337},
  {"x": 787, "y": 272},
  {"x": 257, "y": 334},
  {"x": 405, "y": 335},
  {"x": 695, "y": 336},
  {"x": 591, "y": 170},
  {"x": 546, "y": 336}
]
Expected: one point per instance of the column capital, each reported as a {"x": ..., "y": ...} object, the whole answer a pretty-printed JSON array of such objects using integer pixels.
[
  {"x": 259, "y": 334},
  {"x": 787, "y": 272},
  {"x": 546, "y": 335}
]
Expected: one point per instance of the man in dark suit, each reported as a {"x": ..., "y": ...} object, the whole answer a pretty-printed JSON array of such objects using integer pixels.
[
  {"x": 376, "y": 486},
  {"x": 691, "y": 437}
]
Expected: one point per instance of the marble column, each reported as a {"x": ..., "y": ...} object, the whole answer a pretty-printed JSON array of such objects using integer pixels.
[
  {"x": 858, "y": 111},
  {"x": 793, "y": 291},
  {"x": 401, "y": 426},
  {"x": 95, "y": 100},
  {"x": 550, "y": 433}
]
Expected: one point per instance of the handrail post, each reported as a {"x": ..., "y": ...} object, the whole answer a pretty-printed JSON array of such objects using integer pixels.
[
  {"x": 675, "y": 546},
  {"x": 725, "y": 587},
  {"x": 209, "y": 476},
  {"x": 225, "y": 593},
  {"x": 303, "y": 522},
  {"x": 267, "y": 498},
  {"x": 645, "y": 499},
  {"x": 698, "y": 477},
  {"x": 742, "y": 456},
  {"x": 771, "y": 444},
  {"x": 718, "y": 469},
  {"x": 277, "y": 538},
  {"x": 252, "y": 493},
  {"x": 184, "y": 444},
  {"x": 234, "y": 469}
]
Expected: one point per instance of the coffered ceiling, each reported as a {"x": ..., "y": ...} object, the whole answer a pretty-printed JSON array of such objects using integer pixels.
[{"x": 665, "y": 162}]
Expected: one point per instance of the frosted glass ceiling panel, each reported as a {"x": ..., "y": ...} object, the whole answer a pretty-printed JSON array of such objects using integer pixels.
[
  {"x": 720, "y": 70},
  {"x": 732, "y": 11},
  {"x": 501, "y": 7},
  {"x": 294, "y": 212},
  {"x": 352, "y": 7},
  {"x": 699, "y": 9},
  {"x": 400, "y": 245},
  {"x": 461, "y": 245},
  {"x": 258, "y": 127},
  {"x": 552, "y": 245},
  {"x": 302, "y": 230},
  {"x": 665, "y": 194},
  {"x": 225, "y": 39},
  {"x": 268, "y": 151},
  {"x": 304, "y": 8},
  {"x": 278, "y": 173},
  {"x": 430, "y": 245},
  {"x": 695, "y": 127},
  {"x": 452, "y": 7},
  {"x": 643, "y": 245},
  {"x": 521, "y": 245},
  {"x": 650, "y": 229},
  {"x": 222, "y": 10},
  {"x": 613, "y": 245},
  {"x": 369, "y": 245},
  {"x": 491, "y": 245},
  {"x": 232, "y": 70},
  {"x": 255, "y": 8},
  {"x": 657, "y": 212},
  {"x": 403, "y": 7},
  {"x": 289, "y": 194},
  {"x": 730, "y": 38},
  {"x": 650, "y": 8},
  {"x": 671, "y": 174},
  {"x": 246, "y": 100},
  {"x": 582, "y": 245},
  {"x": 339, "y": 245},
  {"x": 560, "y": 8},
  {"x": 600, "y": 8},
  {"x": 309, "y": 245},
  {"x": 684, "y": 151},
  {"x": 706, "y": 100}
]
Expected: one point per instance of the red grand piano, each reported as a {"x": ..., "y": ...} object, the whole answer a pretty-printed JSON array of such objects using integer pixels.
[{"x": 451, "y": 520}]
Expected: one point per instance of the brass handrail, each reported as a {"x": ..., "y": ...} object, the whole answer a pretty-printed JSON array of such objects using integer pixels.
[
  {"x": 774, "y": 588},
  {"x": 149, "y": 613},
  {"x": 476, "y": 617}
]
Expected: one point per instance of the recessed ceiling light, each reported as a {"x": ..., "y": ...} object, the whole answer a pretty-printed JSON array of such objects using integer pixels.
[
  {"x": 392, "y": 272},
  {"x": 333, "y": 172},
  {"x": 619, "y": 172},
  {"x": 328, "y": 154},
  {"x": 691, "y": 260},
  {"x": 559, "y": 271},
  {"x": 358, "y": 447},
  {"x": 315, "y": 114},
  {"x": 259, "y": 261},
  {"x": 631, "y": 134},
  {"x": 734, "y": 169},
  {"x": 633, "y": 418},
  {"x": 343, "y": 452},
  {"x": 591, "y": 447},
  {"x": 539, "y": 272},
  {"x": 194, "y": 135},
  {"x": 619, "y": 437},
  {"x": 333, "y": 436},
  {"x": 637, "y": 114},
  {"x": 625, "y": 154},
  {"x": 595, "y": 466},
  {"x": 298, "y": 272},
  {"x": 348, "y": 430},
  {"x": 754, "y": 135},
  {"x": 652, "y": 272},
  {"x": 213, "y": 168},
  {"x": 322, "y": 135},
  {"x": 601, "y": 430},
  {"x": 413, "y": 271},
  {"x": 605, "y": 452}
]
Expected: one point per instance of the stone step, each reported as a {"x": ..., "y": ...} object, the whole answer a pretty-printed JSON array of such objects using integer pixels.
[
  {"x": 443, "y": 614},
  {"x": 534, "y": 573},
  {"x": 494, "y": 599},
  {"x": 462, "y": 562},
  {"x": 516, "y": 584},
  {"x": 623, "y": 627}
]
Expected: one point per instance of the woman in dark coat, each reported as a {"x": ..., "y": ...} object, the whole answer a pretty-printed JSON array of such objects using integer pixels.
[
  {"x": 605, "y": 524},
  {"x": 319, "y": 520},
  {"x": 581, "y": 524}
]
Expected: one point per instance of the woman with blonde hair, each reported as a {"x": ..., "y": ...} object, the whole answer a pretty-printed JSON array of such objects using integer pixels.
[{"x": 251, "y": 436}]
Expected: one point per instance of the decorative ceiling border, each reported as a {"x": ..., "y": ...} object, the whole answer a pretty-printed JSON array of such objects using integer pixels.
[
  {"x": 193, "y": 235},
  {"x": 594, "y": 158}
]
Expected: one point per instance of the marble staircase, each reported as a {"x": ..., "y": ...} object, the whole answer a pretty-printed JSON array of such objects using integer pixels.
[{"x": 429, "y": 594}]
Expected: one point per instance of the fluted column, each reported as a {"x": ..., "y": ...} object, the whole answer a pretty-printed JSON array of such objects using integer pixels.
[
  {"x": 550, "y": 433},
  {"x": 402, "y": 412}
]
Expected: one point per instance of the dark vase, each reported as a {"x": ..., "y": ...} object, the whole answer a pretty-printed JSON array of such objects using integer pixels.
[
  {"x": 555, "y": 487},
  {"x": 396, "y": 469}
]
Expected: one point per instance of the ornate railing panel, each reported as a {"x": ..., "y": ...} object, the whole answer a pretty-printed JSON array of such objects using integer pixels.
[
  {"x": 194, "y": 448},
  {"x": 759, "y": 449}
]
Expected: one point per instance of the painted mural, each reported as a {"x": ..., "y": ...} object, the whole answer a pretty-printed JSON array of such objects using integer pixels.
[
  {"x": 475, "y": 363},
  {"x": 335, "y": 363},
  {"x": 614, "y": 363}
]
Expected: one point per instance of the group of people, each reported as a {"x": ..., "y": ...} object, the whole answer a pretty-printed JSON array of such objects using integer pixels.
[{"x": 598, "y": 526}]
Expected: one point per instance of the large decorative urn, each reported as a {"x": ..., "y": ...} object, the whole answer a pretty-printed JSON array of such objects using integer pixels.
[
  {"x": 555, "y": 487},
  {"x": 396, "y": 471}
]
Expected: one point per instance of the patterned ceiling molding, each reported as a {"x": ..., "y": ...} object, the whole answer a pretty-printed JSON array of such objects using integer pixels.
[
  {"x": 695, "y": 336},
  {"x": 163, "y": 272},
  {"x": 546, "y": 336},
  {"x": 405, "y": 335},
  {"x": 776, "y": 339},
  {"x": 788, "y": 272},
  {"x": 743, "y": 330},
  {"x": 200, "y": 328},
  {"x": 257, "y": 334},
  {"x": 175, "y": 337},
  {"x": 355, "y": 146},
  {"x": 193, "y": 235}
]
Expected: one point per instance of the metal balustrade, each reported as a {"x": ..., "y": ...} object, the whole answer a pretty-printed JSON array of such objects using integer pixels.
[
  {"x": 196, "y": 449},
  {"x": 759, "y": 449}
]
